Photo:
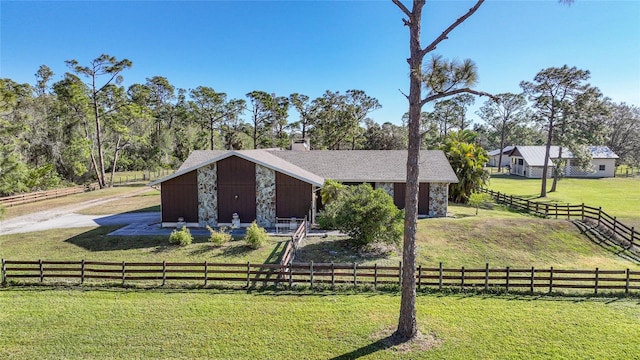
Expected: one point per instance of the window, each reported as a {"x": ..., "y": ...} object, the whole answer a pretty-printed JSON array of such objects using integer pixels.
[
  {"x": 602, "y": 167},
  {"x": 520, "y": 161}
]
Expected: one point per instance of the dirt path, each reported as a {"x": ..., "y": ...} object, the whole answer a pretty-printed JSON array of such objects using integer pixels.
[{"x": 30, "y": 222}]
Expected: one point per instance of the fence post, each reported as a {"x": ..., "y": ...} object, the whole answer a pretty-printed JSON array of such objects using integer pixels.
[
  {"x": 440, "y": 278},
  {"x": 486, "y": 277},
  {"x": 582, "y": 212},
  {"x": 123, "y": 272},
  {"x": 248, "y": 273},
  {"x": 41, "y": 270},
  {"x": 511, "y": 200},
  {"x": 633, "y": 233},
  {"x": 375, "y": 276},
  {"x": 533, "y": 276},
  {"x": 206, "y": 273},
  {"x": 333, "y": 276},
  {"x": 419, "y": 277},
  {"x": 400, "y": 273},
  {"x": 462, "y": 278},
  {"x": 290, "y": 275},
  {"x": 164, "y": 272},
  {"x": 355, "y": 274},
  {"x": 599, "y": 214},
  {"x": 311, "y": 273},
  {"x": 615, "y": 222},
  {"x": 82, "y": 272},
  {"x": 626, "y": 286},
  {"x": 507, "y": 281},
  {"x": 595, "y": 289},
  {"x": 4, "y": 272},
  {"x": 551, "y": 279},
  {"x": 546, "y": 210}
]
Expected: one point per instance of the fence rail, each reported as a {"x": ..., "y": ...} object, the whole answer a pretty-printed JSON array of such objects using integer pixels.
[
  {"x": 599, "y": 218},
  {"x": 313, "y": 274},
  {"x": 44, "y": 195}
]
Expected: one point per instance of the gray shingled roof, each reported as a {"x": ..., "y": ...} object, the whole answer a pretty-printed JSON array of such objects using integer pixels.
[
  {"x": 346, "y": 165},
  {"x": 370, "y": 165},
  {"x": 534, "y": 155}
]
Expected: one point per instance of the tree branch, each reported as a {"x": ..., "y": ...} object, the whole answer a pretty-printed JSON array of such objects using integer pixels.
[
  {"x": 405, "y": 95},
  {"x": 404, "y": 9},
  {"x": 455, "y": 92},
  {"x": 445, "y": 33}
]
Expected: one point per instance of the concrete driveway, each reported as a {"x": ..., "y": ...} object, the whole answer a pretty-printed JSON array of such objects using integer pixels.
[{"x": 133, "y": 223}]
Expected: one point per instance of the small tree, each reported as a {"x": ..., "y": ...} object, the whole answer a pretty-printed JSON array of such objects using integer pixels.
[
  {"x": 366, "y": 215},
  {"x": 477, "y": 198}
]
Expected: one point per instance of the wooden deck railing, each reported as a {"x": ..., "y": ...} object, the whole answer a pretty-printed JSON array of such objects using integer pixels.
[
  {"x": 623, "y": 232},
  {"x": 314, "y": 274},
  {"x": 294, "y": 244}
]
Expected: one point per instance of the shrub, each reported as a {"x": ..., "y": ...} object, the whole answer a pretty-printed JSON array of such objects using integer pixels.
[
  {"x": 181, "y": 237},
  {"x": 218, "y": 237},
  {"x": 366, "y": 215},
  {"x": 255, "y": 236}
]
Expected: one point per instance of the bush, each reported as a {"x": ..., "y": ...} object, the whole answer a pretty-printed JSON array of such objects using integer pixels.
[
  {"x": 366, "y": 215},
  {"x": 218, "y": 237},
  {"x": 181, "y": 237},
  {"x": 255, "y": 236}
]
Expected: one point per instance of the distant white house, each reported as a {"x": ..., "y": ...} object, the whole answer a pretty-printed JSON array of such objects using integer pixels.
[
  {"x": 528, "y": 161},
  {"x": 494, "y": 156}
]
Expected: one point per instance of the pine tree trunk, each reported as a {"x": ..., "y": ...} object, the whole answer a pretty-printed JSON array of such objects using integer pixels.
[
  {"x": 543, "y": 190},
  {"x": 407, "y": 323}
]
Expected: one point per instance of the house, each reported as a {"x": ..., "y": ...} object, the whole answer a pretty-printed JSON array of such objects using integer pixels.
[
  {"x": 528, "y": 161},
  {"x": 494, "y": 156},
  {"x": 262, "y": 185}
]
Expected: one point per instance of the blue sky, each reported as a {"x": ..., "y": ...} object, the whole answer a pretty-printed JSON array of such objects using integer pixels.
[{"x": 312, "y": 46}]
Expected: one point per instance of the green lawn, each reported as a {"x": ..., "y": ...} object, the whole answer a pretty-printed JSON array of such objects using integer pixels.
[
  {"x": 500, "y": 237},
  {"x": 189, "y": 324},
  {"x": 618, "y": 197},
  {"x": 94, "y": 244}
]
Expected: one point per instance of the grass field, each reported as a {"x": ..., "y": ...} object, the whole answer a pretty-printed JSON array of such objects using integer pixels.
[
  {"x": 618, "y": 197},
  {"x": 189, "y": 324}
]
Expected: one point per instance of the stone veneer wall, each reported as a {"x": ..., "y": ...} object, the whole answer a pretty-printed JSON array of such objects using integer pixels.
[
  {"x": 387, "y": 187},
  {"x": 438, "y": 199},
  {"x": 265, "y": 196},
  {"x": 208, "y": 196}
]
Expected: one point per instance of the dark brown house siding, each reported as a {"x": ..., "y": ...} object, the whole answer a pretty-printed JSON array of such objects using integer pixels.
[
  {"x": 180, "y": 198},
  {"x": 423, "y": 197},
  {"x": 293, "y": 197},
  {"x": 236, "y": 189}
]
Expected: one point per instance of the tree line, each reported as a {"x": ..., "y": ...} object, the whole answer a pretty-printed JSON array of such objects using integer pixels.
[{"x": 87, "y": 125}]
